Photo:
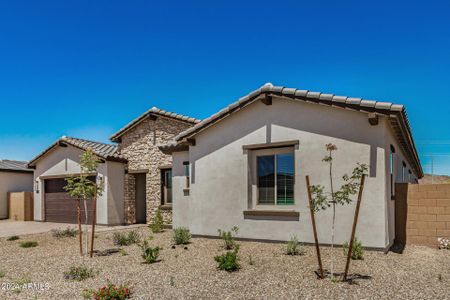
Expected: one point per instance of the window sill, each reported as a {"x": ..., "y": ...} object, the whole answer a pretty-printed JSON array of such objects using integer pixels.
[
  {"x": 165, "y": 207},
  {"x": 272, "y": 213}
]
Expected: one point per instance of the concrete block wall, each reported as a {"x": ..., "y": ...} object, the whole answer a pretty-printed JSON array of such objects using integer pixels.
[{"x": 428, "y": 213}]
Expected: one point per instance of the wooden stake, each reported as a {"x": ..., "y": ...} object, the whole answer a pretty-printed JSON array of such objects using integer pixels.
[
  {"x": 94, "y": 220},
  {"x": 313, "y": 220},
  {"x": 80, "y": 232},
  {"x": 355, "y": 221}
]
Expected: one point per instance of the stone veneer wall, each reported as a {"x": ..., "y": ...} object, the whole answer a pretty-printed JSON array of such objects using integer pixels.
[{"x": 140, "y": 146}]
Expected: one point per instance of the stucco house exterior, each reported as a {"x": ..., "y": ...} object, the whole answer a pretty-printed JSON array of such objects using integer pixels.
[
  {"x": 137, "y": 174},
  {"x": 246, "y": 165},
  {"x": 61, "y": 160},
  {"x": 14, "y": 177}
]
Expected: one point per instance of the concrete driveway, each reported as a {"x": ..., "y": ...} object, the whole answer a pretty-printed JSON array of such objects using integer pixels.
[{"x": 9, "y": 228}]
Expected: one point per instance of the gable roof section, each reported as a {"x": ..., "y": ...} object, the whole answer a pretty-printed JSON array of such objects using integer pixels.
[
  {"x": 7, "y": 165},
  {"x": 155, "y": 112},
  {"x": 395, "y": 112},
  {"x": 102, "y": 150}
]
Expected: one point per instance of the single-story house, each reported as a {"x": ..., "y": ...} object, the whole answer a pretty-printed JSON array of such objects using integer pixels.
[
  {"x": 137, "y": 174},
  {"x": 61, "y": 160},
  {"x": 14, "y": 177},
  {"x": 246, "y": 165}
]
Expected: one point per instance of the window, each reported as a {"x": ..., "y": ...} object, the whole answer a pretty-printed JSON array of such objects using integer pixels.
[
  {"x": 391, "y": 171},
  {"x": 187, "y": 173},
  {"x": 166, "y": 186},
  {"x": 410, "y": 176},
  {"x": 275, "y": 179}
]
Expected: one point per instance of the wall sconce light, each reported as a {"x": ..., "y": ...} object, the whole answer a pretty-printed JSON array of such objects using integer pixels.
[{"x": 37, "y": 187}]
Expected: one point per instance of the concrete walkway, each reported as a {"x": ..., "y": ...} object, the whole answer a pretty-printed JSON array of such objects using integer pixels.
[{"x": 9, "y": 228}]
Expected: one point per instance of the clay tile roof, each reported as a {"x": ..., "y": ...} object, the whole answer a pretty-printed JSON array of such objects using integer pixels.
[
  {"x": 102, "y": 150},
  {"x": 385, "y": 108},
  {"x": 14, "y": 166},
  {"x": 153, "y": 111}
]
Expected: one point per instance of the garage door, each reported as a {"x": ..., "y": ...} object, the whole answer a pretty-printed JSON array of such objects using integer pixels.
[{"x": 59, "y": 206}]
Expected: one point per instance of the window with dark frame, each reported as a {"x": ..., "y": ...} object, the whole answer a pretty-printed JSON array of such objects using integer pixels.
[
  {"x": 391, "y": 170},
  {"x": 187, "y": 171},
  {"x": 166, "y": 186},
  {"x": 275, "y": 175}
]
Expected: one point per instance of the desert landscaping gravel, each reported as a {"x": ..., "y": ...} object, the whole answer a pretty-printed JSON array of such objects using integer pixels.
[{"x": 266, "y": 272}]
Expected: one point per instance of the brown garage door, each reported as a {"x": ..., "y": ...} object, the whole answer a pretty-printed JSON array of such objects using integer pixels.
[{"x": 59, "y": 206}]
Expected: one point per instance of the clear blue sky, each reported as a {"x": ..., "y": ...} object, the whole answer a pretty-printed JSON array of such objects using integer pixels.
[{"x": 86, "y": 68}]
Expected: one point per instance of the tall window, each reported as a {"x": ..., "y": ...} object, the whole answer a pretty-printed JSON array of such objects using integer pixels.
[
  {"x": 391, "y": 170},
  {"x": 166, "y": 188},
  {"x": 276, "y": 179},
  {"x": 187, "y": 172}
]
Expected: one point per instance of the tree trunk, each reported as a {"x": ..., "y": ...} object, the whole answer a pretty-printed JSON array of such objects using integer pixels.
[
  {"x": 334, "y": 216},
  {"x": 80, "y": 232},
  {"x": 94, "y": 220}
]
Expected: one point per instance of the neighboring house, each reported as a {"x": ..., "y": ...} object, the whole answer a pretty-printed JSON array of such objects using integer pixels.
[
  {"x": 61, "y": 160},
  {"x": 148, "y": 180},
  {"x": 246, "y": 165},
  {"x": 14, "y": 177}
]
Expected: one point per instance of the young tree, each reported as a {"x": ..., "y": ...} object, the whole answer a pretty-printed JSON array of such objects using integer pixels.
[
  {"x": 83, "y": 189},
  {"x": 322, "y": 200}
]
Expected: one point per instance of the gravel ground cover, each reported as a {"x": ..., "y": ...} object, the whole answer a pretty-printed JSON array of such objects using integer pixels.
[{"x": 266, "y": 273}]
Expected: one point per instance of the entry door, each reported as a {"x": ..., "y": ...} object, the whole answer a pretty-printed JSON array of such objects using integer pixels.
[
  {"x": 141, "y": 202},
  {"x": 166, "y": 186}
]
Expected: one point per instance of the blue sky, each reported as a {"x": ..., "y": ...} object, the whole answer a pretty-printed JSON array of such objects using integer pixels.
[{"x": 86, "y": 68}]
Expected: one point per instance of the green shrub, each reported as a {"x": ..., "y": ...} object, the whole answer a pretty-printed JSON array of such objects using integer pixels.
[
  {"x": 28, "y": 244},
  {"x": 181, "y": 236},
  {"x": 12, "y": 238},
  {"x": 358, "y": 250},
  {"x": 229, "y": 261},
  {"x": 126, "y": 238},
  {"x": 149, "y": 254},
  {"x": 158, "y": 222},
  {"x": 110, "y": 292},
  {"x": 79, "y": 273},
  {"x": 68, "y": 232},
  {"x": 228, "y": 239},
  {"x": 2, "y": 273},
  {"x": 294, "y": 247}
]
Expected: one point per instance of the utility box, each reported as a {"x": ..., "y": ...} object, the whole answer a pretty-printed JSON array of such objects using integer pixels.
[{"x": 21, "y": 206}]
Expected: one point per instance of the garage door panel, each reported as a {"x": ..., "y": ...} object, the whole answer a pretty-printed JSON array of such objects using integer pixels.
[{"x": 60, "y": 207}]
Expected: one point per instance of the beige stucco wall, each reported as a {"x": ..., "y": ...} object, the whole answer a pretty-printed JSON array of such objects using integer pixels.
[
  {"x": 13, "y": 182},
  {"x": 63, "y": 162},
  {"x": 220, "y": 188}
]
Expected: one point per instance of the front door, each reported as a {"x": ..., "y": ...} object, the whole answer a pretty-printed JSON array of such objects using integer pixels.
[
  {"x": 166, "y": 186},
  {"x": 141, "y": 201}
]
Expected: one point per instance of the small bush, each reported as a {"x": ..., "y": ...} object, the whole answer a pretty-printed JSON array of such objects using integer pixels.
[
  {"x": 229, "y": 261},
  {"x": 158, "y": 222},
  {"x": 149, "y": 254},
  {"x": 181, "y": 236},
  {"x": 126, "y": 239},
  {"x": 2, "y": 274},
  {"x": 294, "y": 247},
  {"x": 68, "y": 232},
  {"x": 28, "y": 244},
  {"x": 357, "y": 252},
  {"x": 79, "y": 273},
  {"x": 228, "y": 239},
  {"x": 12, "y": 238},
  {"x": 110, "y": 292}
]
